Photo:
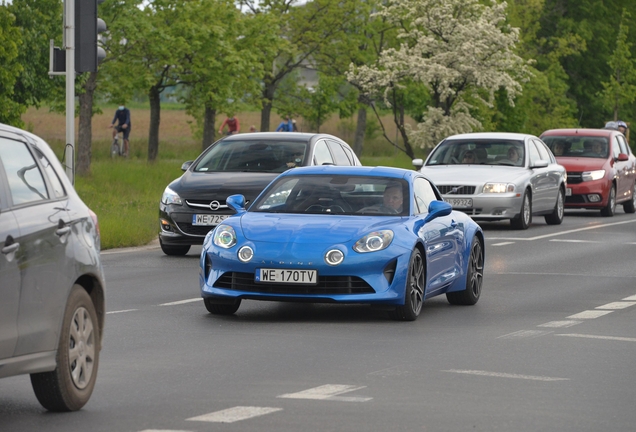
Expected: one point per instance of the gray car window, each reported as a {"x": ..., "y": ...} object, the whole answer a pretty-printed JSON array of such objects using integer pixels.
[
  {"x": 623, "y": 144},
  {"x": 338, "y": 153},
  {"x": 350, "y": 155},
  {"x": 543, "y": 151},
  {"x": 58, "y": 189},
  {"x": 26, "y": 183},
  {"x": 321, "y": 154},
  {"x": 534, "y": 153},
  {"x": 616, "y": 150},
  {"x": 424, "y": 195}
]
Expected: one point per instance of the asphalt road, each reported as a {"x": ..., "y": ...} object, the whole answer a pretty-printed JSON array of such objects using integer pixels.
[{"x": 551, "y": 346}]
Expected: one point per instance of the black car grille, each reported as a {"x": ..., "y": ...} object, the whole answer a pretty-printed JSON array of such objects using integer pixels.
[
  {"x": 575, "y": 177},
  {"x": 188, "y": 228},
  {"x": 576, "y": 199},
  {"x": 471, "y": 212},
  {"x": 204, "y": 203},
  {"x": 460, "y": 190},
  {"x": 326, "y": 285}
]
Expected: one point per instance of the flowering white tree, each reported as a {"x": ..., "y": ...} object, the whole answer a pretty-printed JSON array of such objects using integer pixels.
[{"x": 461, "y": 50}]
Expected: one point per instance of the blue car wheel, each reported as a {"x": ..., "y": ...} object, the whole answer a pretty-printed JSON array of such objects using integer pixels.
[
  {"x": 414, "y": 290},
  {"x": 474, "y": 278}
]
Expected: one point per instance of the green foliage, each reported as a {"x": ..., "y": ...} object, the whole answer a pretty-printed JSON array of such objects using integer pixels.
[{"x": 10, "y": 43}]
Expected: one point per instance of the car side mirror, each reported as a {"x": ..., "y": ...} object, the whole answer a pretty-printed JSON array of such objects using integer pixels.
[
  {"x": 622, "y": 157},
  {"x": 540, "y": 164},
  {"x": 186, "y": 165},
  {"x": 418, "y": 163},
  {"x": 437, "y": 209},
  {"x": 236, "y": 203}
]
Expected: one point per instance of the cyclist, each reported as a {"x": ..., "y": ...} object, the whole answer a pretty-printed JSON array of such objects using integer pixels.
[
  {"x": 122, "y": 118},
  {"x": 232, "y": 124}
]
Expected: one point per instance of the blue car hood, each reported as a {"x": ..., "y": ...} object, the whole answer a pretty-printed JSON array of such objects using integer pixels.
[{"x": 306, "y": 229}]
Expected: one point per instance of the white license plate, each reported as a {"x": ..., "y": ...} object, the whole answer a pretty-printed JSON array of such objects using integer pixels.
[
  {"x": 286, "y": 276},
  {"x": 568, "y": 191},
  {"x": 208, "y": 219},
  {"x": 460, "y": 202}
]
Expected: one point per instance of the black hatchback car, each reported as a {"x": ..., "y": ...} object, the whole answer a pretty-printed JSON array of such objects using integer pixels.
[
  {"x": 244, "y": 164},
  {"x": 51, "y": 277}
]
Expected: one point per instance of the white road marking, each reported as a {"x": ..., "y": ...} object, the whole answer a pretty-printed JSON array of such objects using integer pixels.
[
  {"x": 616, "y": 305},
  {"x": 630, "y": 298},
  {"x": 182, "y": 302},
  {"x": 505, "y": 375},
  {"x": 121, "y": 311},
  {"x": 502, "y": 244},
  {"x": 558, "y": 324},
  {"x": 595, "y": 226},
  {"x": 524, "y": 334},
  {"x": 235, "y": 414},
  {"x": 328, "y": 392},
  {"x": 574, "y": 241},
  {"x": 616, "y": 338},
  {"x": 163, "y": 430},
  {"x": 589, "y": 314}
]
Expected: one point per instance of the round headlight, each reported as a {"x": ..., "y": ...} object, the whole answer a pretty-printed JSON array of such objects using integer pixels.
[
  {"x": 334, "y": 257},
  {"x": 374, "y": 243},
  {"x": 245, "y": 254},
  {"x": 224, "y": 236}
]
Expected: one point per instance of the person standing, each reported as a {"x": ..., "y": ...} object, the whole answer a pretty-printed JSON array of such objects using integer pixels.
[
  {"x": 232, "y": 124},
  {"x": 122, "y": 118}
]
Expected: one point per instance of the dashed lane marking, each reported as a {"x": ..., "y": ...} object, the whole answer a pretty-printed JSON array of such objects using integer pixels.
[
  {"x": 182, "y": 302},
  {"x": 524, "y": 334},
  {"x": 235, "y": 414},
  {"x": 541, "y": 237},
  {"x": 615, "y": 338},
  {"x": 616, "y": 305},
  {"x": 502, "y": 243},
  {"x": 121, "y": 311},
  {"x": 505, "y": 375},
  {"x": 630, "y": 298},
  {"x": 163, "y": 430},
  {"x": 574, "y": 241},
  {"x": 590, "y": 314},
  {"x": 328, "y": 392},
  {"x": 560, "y": 324}
]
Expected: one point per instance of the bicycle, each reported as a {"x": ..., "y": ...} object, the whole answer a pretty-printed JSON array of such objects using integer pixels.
[{"x": 117, "y": 148}]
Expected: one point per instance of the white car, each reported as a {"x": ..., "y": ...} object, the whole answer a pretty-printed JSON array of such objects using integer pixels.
[{"x": 495, "y": 176}]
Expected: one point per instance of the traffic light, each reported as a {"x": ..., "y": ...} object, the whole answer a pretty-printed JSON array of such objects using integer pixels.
[{"x": 87, "y": 27}]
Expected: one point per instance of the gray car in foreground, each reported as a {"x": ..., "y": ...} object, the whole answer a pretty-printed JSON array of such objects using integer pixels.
[
  {"x": 51, "y": 278},
  {"x": 495, "y": 176}
]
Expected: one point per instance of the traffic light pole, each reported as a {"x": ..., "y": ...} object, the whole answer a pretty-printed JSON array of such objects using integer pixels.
[{"x": 69, "y": 35}]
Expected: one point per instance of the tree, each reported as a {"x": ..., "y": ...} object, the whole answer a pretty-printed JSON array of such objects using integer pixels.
[
  {"x": 10, "y": 41},
  {"x": 620, "y": 90},
  {"x": 459, "y": 50}
]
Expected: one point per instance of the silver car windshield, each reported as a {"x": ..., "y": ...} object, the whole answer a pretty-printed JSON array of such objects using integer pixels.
[
  {"x": 253, "y": 156},
  {"x": 478, "y": 152}
]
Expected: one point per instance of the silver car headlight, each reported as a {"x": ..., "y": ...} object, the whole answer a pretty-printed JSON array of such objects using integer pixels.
[
  {"x": 224, "y": 236},
  {"x": 171, "y": 197},
  {"x": 592, "y": 175},
  {"x": 499, "y": 187},
  {"x": 374, "y": 241}
]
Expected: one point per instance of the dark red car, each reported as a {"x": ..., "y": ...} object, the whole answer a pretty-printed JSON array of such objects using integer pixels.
[{"x": 600, "y": 166}]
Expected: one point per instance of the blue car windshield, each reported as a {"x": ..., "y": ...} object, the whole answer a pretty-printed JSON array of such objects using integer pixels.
[
  {"x": 478, "y": 152},
  {"x": 251, "y": 155},
  {"x": 335, "y": 194}
]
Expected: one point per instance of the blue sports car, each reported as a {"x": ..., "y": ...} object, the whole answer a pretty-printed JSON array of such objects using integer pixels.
[{"x": 375, "y": 235}]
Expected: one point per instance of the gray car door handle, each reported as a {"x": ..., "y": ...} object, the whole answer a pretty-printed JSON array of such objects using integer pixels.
[
  {"x": 11, "y": 248},
  {"x": 63, "y": 231}
]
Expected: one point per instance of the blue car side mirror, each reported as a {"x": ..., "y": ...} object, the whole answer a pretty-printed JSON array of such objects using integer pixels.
[
  {"x": 236, "y": 203},
  {"x": 437, "y": 209}
]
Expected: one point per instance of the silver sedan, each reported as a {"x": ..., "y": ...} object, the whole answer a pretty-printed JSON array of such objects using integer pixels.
[{"x": 497, "y": 176}]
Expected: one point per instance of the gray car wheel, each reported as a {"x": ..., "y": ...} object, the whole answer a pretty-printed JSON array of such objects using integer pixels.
[
  {"x": 221, "y": 307},
  {"x": 524, "y": 219},
  {"x": 630, "y": 206},
  {"x": 71, "y": 384},
  {"x": 474, "y": 277},
  {"x": 610, "y": 208},
  {"x": 556, "y": 217},
  {"x": 414, "y": 290}
]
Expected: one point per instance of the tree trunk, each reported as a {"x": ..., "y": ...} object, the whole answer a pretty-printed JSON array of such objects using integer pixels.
[
  {"x": 155, "y": 119},
  {"x": 85, "y": 134},
  {"x": 361, "y": 127},
  {"x": 209, "y": 128},
  {"x": 268, "y": 96}
]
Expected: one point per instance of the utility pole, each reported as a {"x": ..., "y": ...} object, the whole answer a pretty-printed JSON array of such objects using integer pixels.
[{"x": 69, "y": 44}]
